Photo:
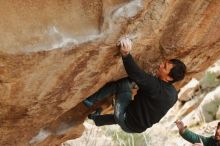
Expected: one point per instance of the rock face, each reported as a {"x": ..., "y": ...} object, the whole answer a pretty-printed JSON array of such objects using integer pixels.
[{"x": 54, "y": 54}]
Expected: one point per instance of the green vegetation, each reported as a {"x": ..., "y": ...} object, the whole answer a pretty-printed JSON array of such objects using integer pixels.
[
  {"x": 122, "y": 138},
  {"x": 210, "y": 80}
]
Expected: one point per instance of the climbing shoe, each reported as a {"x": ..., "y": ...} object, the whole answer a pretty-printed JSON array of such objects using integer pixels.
[{"x": 92, "y": 116}]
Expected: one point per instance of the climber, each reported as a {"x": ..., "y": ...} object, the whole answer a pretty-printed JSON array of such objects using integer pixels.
[
  {"x": 198, "y": 139},
  {"x": 155, "y": 96}
]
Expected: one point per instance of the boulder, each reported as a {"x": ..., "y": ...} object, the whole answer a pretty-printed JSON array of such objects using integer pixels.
[{"x": 54, "y": 54}]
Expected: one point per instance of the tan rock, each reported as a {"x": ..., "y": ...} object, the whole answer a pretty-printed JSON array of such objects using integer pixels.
[{"x": 54, "y": 54}]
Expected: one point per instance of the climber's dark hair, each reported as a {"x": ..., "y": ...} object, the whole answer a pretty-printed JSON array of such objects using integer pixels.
[
  {"x": 178, "y": 71},
  {"x": 218, "y": 125}
]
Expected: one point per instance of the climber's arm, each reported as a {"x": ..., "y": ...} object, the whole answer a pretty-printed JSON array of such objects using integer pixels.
[{"x": 142, "y": 79}]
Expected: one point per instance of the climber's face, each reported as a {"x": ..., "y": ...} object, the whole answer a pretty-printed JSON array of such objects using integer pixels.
[
  {"x": 217, "y": 133},
  {"x": 164, "y": 70}
]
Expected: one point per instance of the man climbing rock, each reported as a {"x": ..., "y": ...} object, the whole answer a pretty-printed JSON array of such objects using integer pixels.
[
  {"x": 196, "y": 139},
  {"x": 155, "y": 96}
]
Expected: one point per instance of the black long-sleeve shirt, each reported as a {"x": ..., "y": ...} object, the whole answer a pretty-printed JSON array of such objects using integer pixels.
[{"x": 152, "y": 101}]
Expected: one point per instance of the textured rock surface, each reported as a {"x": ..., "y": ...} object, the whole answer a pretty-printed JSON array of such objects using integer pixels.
[{"x": 54, "y": 54}]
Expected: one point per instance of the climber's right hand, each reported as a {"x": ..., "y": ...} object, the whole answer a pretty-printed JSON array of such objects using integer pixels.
[{"x": 125, "y": 46}]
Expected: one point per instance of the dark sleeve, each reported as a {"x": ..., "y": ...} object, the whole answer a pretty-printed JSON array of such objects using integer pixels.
[
  {"x": 194, "y": 138},
  {"x": 139, "y": 76}
]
